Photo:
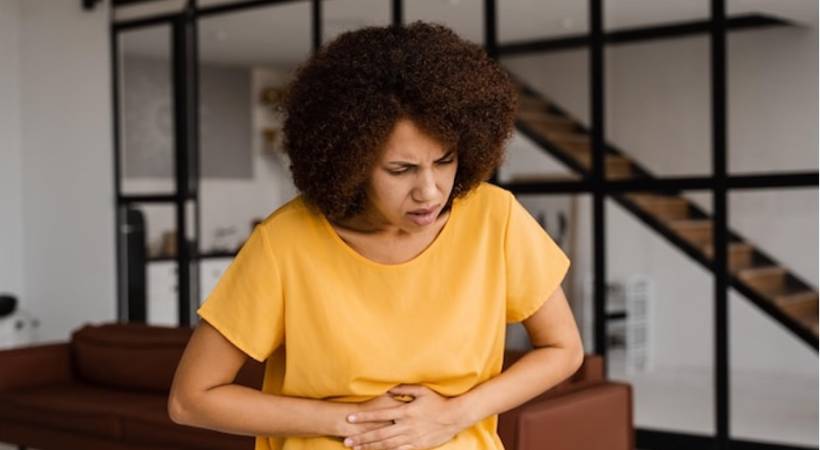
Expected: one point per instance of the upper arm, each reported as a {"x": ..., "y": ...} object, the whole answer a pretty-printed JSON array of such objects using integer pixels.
[
  {"x": 553, "y": 324},
  {"x": 209, "y": 360}
]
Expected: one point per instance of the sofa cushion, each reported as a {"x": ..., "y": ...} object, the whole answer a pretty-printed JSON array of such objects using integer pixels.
[
  {"x": 73, "y": 407},
  {"x": 149, "y": 426},
  {"x": 134, "y": 418},
  {"x": 131, "y": 356}
]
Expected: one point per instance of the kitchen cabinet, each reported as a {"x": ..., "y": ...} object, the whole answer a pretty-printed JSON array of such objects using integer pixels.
[{"x": 162, "y": 287}]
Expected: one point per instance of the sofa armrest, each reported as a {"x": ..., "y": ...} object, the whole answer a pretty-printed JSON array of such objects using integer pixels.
[
  {"x": 35, "y": 365},
  {"x": 598, "y": 417}
]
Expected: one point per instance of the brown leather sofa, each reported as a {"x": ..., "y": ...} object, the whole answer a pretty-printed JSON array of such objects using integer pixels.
[{"x": 107, "y": 389}]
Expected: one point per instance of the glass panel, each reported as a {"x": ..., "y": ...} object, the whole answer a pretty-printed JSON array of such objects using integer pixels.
[
  {"x": 138, "y": 10},
  {"x": 782, "y": 223},
  {"x": 660, "y": 300},
  {"x": 564, "y": 218},
  {"x": 206, "y": 3},
  {"x": 772, "y": 96},
  {"x": 658, "y": 93},
  {"x": 244, "y": 67},
  {"x": 551, "y": 134},
  {"x": 773, "y": 387},
  {"x": 524, "y": 21},
  {"x": 339, "y": 16},
  {"x": 147, "y": 164},
  {"x": 626, "y": 14},
  {"x": 465, "y": 17}
]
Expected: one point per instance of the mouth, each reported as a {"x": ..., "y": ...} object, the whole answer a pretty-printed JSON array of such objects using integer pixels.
[
  {"x": 423, "y": 212},
  {"x": 423, "y": 217}
]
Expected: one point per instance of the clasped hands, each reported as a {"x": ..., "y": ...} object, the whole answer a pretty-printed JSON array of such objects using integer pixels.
[{"x": 387, "y": 422}]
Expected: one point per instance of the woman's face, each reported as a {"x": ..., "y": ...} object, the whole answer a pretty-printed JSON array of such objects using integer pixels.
[{"x": 415, "y": 172}]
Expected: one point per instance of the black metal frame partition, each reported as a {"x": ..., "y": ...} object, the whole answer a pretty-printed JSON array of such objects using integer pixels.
[{"x": 186, "y": 76}]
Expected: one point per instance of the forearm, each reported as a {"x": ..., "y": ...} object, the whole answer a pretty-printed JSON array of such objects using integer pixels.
[
  {"x": 536, "y": 372},
  {"x": 237, "y": 409}
]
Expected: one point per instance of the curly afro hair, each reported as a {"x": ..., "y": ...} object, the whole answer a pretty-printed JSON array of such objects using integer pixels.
[{"x": 345, "y": 100}]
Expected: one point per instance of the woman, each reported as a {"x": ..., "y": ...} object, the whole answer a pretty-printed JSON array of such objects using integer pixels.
[{"x": 379, "y": 297}]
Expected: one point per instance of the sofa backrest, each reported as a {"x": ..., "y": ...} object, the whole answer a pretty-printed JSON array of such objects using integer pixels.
[{"x": 138, "y": 356}]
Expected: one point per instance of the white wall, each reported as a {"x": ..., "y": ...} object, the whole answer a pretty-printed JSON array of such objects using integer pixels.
[
  {"x": 658, "y": 111},
  {"x": 67, "y": 184},
  {"x": 11, "y": 184}
]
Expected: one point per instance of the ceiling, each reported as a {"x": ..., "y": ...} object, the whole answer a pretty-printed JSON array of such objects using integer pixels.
[{"x": 279, "y": 36}]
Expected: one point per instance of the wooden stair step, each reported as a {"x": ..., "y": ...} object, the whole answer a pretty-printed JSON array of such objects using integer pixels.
[
  {"x": 542, "y": 177},
  {"x": 696, "y": 231},
  {"x": 798, "y": 304},
  {"x": 526, "y": 101},
  {"x": 662, "y": 206},
  {"x": 616, "y": 165},
  {"x": 768, "y": 280},
  {"x": 741, "y": 255},
  {"x": 574, "y": 144},
  {"x": 811, "y": 324},
  {"x": 546, "y": 122},
  {"x": 561, "y": 136}
]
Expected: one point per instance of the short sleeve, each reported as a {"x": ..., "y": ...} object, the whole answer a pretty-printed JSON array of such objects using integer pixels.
[
  {"x": 535, "y": 264},
  {"x": 247, "y": 304}
]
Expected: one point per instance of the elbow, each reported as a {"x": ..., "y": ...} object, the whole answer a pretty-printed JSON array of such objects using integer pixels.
[
  {"x": 576, "y": 357},
  {"x": 177, "y": 411},
  {"x": 578, "y": 354}
]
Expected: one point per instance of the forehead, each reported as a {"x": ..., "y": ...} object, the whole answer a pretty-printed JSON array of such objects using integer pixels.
[{"x": 409, "y": 142}]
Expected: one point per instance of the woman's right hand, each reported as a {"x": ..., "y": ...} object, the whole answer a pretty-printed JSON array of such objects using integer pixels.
[{"x": 381, "y": 402}]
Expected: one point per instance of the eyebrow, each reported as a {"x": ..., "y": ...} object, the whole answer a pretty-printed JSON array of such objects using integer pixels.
[{"x": 407, "y": 163}]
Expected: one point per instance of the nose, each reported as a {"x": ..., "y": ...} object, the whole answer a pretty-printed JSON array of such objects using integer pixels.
[{"x": 426, "y": 189}]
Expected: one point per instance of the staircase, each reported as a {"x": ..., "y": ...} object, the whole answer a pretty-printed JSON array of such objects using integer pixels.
[{"x": 782, "y": 294}]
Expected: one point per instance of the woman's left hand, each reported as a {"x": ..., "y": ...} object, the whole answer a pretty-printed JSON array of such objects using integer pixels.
[{"x": 427, "y": 421}]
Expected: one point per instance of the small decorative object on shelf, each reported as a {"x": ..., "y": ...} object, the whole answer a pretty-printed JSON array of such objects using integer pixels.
[
  {"x": 223, "y": 237},
  {"x": 169, "y": 244},
  {"x": 272, "y": 96},
  {"x": 269, "y": 143}
]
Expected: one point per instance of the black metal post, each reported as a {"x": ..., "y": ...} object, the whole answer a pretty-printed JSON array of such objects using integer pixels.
[
  {"x": 596, "y": 61},
  {"x": 195, "y": 164},
  {"x": 398, "y": 12},
  {"x": 122, "y": 298},
  {"x": 316, "y": 23},
  {"x": 490, "y": 27},
  {"x": 491, "y": 47},
  {"x": 183, "y": 37},
  {"x": 720, "y": 224}
]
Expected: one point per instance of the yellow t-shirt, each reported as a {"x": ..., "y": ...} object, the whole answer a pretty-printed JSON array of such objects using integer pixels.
[{"x": 353, "y": 328}]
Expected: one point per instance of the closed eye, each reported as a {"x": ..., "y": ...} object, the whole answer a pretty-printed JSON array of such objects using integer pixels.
[{"x": 399, "y": 172}]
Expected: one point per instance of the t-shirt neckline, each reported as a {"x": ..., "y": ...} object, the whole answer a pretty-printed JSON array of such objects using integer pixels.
[{"x": 442, "y": 234}]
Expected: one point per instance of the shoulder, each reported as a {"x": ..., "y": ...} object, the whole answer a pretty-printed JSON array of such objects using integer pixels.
[
  {"x": 485, "y": 204},
  {"x": 289, "y": 222},
  {"x": 488, "y": 197}
]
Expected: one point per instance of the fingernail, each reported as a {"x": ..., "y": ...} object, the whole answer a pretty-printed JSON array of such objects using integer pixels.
[
  {"x": 348, "y": 442},
  {"x": 351, "y": 417}
]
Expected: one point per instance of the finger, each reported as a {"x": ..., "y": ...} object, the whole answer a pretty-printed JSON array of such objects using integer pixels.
[
  {"x": 409, "y": 389},
  {"x": 373, "y": 436},
  {"x": 379, "y": 415},
  {"x": 391, "y": 443}
]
